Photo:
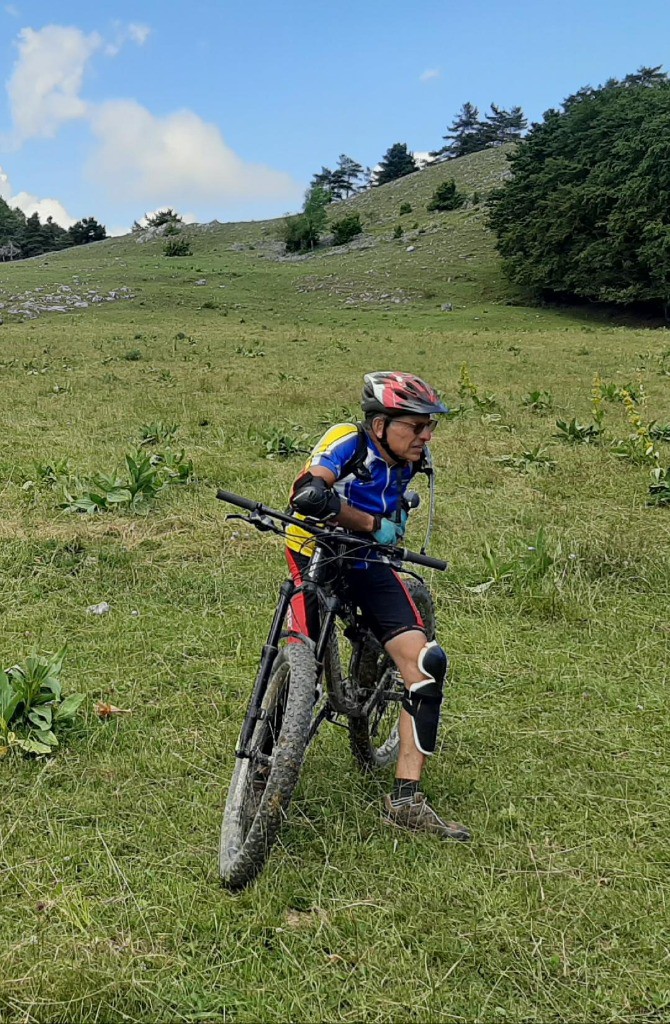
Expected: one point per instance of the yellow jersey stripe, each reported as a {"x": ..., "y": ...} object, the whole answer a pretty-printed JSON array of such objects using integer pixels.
[
  {"x": 331, "y": 436},
  {"x": 301, "y": 540}
]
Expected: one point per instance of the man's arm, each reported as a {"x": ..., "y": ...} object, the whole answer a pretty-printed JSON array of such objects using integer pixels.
[{"x": 348, "y": 517}]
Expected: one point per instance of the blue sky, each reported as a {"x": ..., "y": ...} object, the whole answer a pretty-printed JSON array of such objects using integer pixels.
[{"x": 226, "y": 109}]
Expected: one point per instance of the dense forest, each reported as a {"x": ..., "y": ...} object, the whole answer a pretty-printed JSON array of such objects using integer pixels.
[{"x": 586, "y": 211}]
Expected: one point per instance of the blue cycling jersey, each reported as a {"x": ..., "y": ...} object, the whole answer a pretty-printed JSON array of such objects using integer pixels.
[{"x": 379, "y": 493}]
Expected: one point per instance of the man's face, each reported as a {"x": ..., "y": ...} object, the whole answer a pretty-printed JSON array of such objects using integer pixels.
[{"x": 407, "y": 436}]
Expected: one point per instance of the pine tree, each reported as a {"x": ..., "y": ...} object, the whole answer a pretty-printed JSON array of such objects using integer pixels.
[
  {"x": 87, "y": 230},
  {"x": 465, "y": 134},
  {"x": 396, "y": 163},
  {"x": 322, "y": 179},
  {"x": 12, "y": 223},
  {"x": 646, "y": 76},
  {"x": 504, "y": 125},
  {"x": 34, "y": 240},
  {"x": 350, "y": 174},
  {"x": 55, "y": 237}
]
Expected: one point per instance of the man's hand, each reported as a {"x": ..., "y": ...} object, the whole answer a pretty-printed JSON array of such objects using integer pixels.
[
  {"x": 402, "y": 525},
  {"x": 389, "y": 532}
]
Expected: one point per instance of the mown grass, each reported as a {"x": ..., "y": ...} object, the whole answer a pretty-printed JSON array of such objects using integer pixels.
[{"x": 554, "y": 741}]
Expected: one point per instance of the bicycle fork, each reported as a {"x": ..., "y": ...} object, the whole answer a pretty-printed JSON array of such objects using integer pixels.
[{"x": 268, "y": 655}]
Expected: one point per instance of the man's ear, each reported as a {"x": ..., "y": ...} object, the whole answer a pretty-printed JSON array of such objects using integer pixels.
[{"x": 378, "y": 426}]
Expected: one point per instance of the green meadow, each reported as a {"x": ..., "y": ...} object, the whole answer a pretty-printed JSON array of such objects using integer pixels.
[{"x": 554, "y": 738}]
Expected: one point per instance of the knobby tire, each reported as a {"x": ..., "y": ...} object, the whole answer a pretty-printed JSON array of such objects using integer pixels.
[
  {"x": 259, "y": 794},
  {"x": 374, "y": 740}
]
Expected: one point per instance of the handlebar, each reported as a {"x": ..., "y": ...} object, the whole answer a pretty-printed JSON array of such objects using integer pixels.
[
  {"x": 236, "y": 499},
  {"x": 353, "y": 540},
  {"x": 427, "y": 560}
]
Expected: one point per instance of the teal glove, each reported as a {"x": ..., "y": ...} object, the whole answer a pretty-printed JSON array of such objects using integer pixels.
[
  {"x": 390, "y": 532},
  {"x": 386, "y": 534},
  {"x": 402, "y": 525}
]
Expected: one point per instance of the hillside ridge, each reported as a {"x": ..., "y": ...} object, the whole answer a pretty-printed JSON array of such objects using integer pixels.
[{"x": 439, "y": 259}]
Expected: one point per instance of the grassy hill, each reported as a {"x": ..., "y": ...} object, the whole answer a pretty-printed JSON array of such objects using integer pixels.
[
  {"x": 452, "y": 258},
  {"x": 554, "y": 612}
]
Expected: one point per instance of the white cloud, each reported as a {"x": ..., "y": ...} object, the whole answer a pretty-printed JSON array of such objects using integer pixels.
[
  {"x": 44, "y": 207},
  {"x": 175, "y": 160},
  {"x": 12, "y": 10},
  {"x": 134, "y": 31},
  {"x": 46, "y": 81},
  {"x": 5, "y": 187},
  {"x": 429, "y": 74},
  {"x": 139, "y": 33},
  {"x": 30, "y": 204},
  {"x": 423, "y": 159}
]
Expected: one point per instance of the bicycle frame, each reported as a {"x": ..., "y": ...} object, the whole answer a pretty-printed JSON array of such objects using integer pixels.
[{"x": 330, "y": 605}]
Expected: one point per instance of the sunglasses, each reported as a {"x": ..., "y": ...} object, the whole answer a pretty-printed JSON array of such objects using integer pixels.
[{"x": 419, "y": 428}]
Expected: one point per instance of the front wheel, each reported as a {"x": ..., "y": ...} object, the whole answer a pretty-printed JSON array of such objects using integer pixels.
[
  {"x": 374, "y": 739},
  {"x": 263, "y": 783}
]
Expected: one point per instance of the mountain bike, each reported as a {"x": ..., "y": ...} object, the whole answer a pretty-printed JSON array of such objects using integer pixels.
[{"x": 301, "y": 683}]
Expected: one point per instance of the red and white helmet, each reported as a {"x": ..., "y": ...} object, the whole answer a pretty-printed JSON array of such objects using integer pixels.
[{"x": 389, "y": 393}]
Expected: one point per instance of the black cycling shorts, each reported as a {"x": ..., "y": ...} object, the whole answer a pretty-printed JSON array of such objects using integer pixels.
[{"x": 385, "y": 602}]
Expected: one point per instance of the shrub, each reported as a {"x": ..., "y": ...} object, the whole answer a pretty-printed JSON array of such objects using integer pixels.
[
  {"x": 160, "y": 217},
  {"x": 398, "y": 231},
  {"x": 157, "y": 433},
  {"x": 282, "y": 443},
  {"x": 346, "y": 228},
  {"x": 530, "y": 458},
  {"x": 177, "y": 247},
  {"x": 297, "y": 234},
  {"x": 538, "y": 400},
  {"x": 405, "y": 208},
  {"x": 144, "y": 478},
  {"x": 303, "y": 231},
  {"x": 573, "y": 432},
  {"x": 446, "y": 197},
  {"x": 659, "y": 489},
  {"x": 32, "y": 708}
]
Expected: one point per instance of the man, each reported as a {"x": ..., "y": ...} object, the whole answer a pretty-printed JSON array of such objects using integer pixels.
[{"x": 361, "y": 489}]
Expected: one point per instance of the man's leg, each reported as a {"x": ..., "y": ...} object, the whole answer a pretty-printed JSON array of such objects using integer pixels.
[
  {"x": 405, "y": 650},
  {"x": 387, "y": 605},
  {"x": 406, "y": 806}
]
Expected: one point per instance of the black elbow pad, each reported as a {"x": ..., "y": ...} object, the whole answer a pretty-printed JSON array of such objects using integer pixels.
[{"x": 313, "y": 497}]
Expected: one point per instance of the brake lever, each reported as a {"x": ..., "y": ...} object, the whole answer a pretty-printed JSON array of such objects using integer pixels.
[{"x": 263, "y": 523}]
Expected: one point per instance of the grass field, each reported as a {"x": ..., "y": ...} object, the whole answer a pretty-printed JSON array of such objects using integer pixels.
[{"x": 554, "y": 740}]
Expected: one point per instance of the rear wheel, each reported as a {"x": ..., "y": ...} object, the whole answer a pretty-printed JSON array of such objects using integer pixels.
[
  {"x": 374, "y": 739},
  {"x": 263, "y": 783}
]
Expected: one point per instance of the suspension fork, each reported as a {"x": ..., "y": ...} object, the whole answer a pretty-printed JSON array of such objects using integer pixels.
[{"x": 268, "y": 655}]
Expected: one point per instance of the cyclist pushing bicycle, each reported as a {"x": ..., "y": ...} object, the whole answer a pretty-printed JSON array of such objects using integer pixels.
[
  {"x": 350, "y": 638},
  {"x": 363, "y": 492}
]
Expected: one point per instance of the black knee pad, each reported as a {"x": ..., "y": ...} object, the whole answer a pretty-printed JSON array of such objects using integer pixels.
[{"x": 422, "y": 700}]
